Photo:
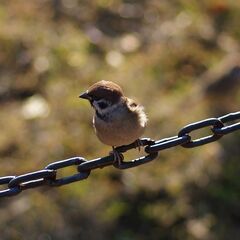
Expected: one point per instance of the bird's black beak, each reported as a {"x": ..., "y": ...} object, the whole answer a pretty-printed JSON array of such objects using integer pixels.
[{"x": 85, "y": 96}]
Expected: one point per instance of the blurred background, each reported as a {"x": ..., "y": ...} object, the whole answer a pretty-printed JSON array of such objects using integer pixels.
[{"x": 180, "y": 59}]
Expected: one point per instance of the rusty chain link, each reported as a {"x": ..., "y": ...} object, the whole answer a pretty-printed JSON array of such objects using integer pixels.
[{"x": 48, "y": 176}]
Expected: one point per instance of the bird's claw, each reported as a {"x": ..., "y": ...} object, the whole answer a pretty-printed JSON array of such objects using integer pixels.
[
  {"x": 118, "y": 157},
  {"x": 138, "y": 144}
]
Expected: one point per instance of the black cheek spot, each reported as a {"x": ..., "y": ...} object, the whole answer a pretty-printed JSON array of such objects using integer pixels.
[{"x": 102, "y": 105}]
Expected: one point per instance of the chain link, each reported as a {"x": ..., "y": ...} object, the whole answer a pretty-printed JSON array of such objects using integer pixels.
[
  {"x": 48, "y": 176},
  {"x": 214, "y": 122}
]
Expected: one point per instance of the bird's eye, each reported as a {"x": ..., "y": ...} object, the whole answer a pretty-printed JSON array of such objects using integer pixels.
[{"x": 102, "y": 105}]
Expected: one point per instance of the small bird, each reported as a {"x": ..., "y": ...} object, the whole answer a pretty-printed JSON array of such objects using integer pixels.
[{"x": 118, "y": 120}]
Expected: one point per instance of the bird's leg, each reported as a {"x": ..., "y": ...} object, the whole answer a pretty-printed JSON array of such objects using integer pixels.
[
  {"x": 118, "y": 157},
  {"x": 138, "y": 144}
]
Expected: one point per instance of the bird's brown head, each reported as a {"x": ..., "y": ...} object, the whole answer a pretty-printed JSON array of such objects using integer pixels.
[
  {"x": 106, "y": 90},
  {"x": 103, "y": 94}
]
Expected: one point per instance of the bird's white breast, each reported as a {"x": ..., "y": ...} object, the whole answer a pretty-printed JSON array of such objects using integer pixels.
[{"x": 122, "y": 126}]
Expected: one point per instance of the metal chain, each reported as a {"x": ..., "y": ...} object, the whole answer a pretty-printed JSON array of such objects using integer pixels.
[{"x": 48, "y": 176}]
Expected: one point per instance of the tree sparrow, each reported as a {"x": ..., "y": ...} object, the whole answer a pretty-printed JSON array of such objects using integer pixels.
[{"x": 118, "y": 120}]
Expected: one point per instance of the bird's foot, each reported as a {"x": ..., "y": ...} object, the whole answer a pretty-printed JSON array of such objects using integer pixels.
[
  {"x": 138, "y": 144},
  {"x": 118, "y": 157}
]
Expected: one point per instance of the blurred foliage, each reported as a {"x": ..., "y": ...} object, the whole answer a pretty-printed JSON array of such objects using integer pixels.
[{"x": 179, "y": 58}]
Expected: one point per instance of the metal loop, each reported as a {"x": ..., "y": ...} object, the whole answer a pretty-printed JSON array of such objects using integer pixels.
[
  {"x": 10, "y": 191},
  {"x": 214, "y": 122},
  {"x": 136, "y": 162},
  {"x": 231, "y": 128},
  {"x": 66, "y": 163},
  {"x": 27, "y": 180},
  {"x": 167, "y": 143},
  {"x": 6, "y": 179},
  {"x": 230, "y": 117},
  {"x": 109, "y": 160},
  {"x": 34, "y": 183},
  {"x": 70, "y": 179},
  {"x": 227, "y": 129},
  {"x": 96, "y": 163}
]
